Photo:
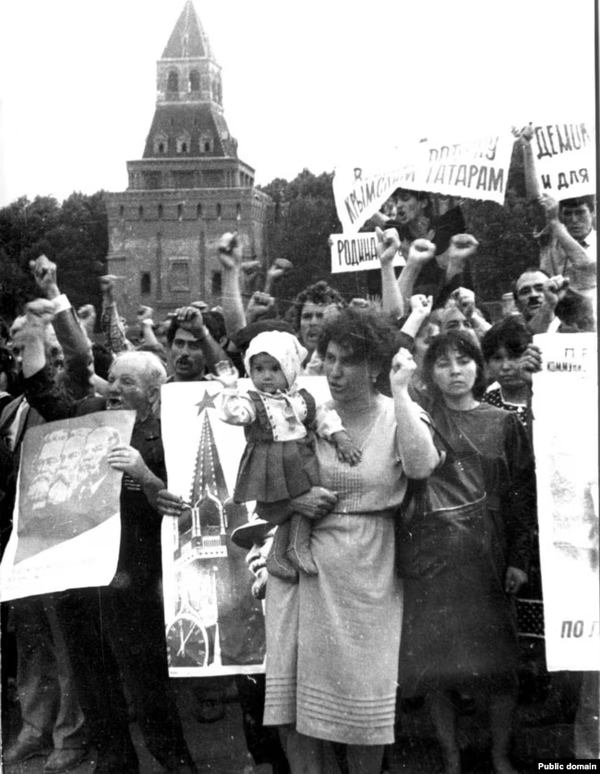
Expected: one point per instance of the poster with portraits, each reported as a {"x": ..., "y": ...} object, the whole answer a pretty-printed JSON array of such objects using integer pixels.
[
  {"x": 565, "y": 409},
  {"x": 66, "y": 522},
  {"x": 215, "y": 626}
]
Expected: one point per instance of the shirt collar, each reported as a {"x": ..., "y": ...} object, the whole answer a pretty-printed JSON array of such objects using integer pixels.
[{"x": 589, "y": 240}]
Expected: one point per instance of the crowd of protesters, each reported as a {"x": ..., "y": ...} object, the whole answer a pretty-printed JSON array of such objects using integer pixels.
[{"x": 420, "y": 381}]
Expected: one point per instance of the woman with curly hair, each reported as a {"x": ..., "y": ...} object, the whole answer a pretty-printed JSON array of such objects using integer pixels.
[
  {"x": 333, "y": 639},
  {"x": 459, "y": 629}
]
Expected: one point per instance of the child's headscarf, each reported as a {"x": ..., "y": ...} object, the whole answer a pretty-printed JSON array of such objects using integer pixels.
[{"x": 284, "y": 347}]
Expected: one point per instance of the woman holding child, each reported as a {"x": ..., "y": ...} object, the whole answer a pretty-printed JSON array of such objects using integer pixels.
[{"x": 333, "y": 638}]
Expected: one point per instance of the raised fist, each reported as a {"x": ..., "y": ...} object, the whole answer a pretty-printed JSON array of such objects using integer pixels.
[
  {"x": 229, "y": 250},
  {"x": 420, "y": 251}
]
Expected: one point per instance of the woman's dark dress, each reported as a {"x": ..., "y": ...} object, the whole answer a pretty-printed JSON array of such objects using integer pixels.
[{"x": 460, "y": 624}]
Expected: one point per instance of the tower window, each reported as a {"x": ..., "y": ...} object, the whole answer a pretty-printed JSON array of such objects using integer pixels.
[
  {"x": 180, "y": 211},
  {"x": 194, "y": 80},
  {"x": 238, "y": 211},
  {"x": 160, "y": 143},
  {"x": 183, "y": 144},
  {"x": 160, "y": 210},
  {"x": 173, "y": 81},
  {"x": 218, "y": 211},
  {"x": 145, "y": 283},
  {"x": 206, "y": 143},
  {"x": 198, "y": 210},
  {"x": 121, "y": 211},
  {"x": 140, "y": 212}
]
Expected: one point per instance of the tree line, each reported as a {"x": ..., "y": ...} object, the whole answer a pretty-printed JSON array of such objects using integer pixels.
[{"x": 74, "y": 235}]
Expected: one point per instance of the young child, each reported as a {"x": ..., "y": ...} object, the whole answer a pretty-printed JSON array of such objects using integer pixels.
[{"x": 279, "y": 461}]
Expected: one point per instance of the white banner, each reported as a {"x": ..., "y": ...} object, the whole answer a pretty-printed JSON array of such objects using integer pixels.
[
  {"x": 565, "y": 407},
  {"x": 360, "y": 191},
  {"x": 356, "y": 252},
  {"x": 214, "y": 624},
  {"x": 475, "y": 168},
  {"x": 565, "y": 158},
  {"x": 66, "y": 524}
]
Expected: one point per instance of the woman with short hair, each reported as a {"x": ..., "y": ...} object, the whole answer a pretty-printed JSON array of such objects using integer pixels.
[
  {"x": 333, "y": 639},
  {"x": 459, "y": 627}
]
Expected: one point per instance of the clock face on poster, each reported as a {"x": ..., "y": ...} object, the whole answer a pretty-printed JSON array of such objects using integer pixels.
[{"x": 187, "y": 642}]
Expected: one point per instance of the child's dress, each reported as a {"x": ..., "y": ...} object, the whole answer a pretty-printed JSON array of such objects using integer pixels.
[{"x": 279, "y": 461}]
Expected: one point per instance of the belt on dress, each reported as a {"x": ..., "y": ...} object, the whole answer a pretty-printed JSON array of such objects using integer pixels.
[{"x": 387, "y": 512}]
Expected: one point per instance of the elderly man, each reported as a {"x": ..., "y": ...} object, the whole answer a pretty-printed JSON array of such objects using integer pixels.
[{"x": 116, "y": 634}]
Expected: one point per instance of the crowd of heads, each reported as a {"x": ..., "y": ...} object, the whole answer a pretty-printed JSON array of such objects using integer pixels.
[{"x": 321, "y": 319}]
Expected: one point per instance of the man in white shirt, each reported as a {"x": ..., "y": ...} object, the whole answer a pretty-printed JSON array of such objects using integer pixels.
[{"x": 568, "y": 243}]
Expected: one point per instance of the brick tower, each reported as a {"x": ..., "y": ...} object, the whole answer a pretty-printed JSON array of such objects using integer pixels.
[{"x": 189, "y": 187}]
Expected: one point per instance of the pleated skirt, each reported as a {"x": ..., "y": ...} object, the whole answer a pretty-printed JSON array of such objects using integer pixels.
[{"x": 270, "y": 471}]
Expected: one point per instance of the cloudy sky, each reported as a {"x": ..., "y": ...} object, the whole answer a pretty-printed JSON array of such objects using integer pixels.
[{"x": 306, "y": 84}]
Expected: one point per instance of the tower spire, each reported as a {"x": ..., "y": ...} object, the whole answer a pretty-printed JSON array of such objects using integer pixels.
[
  {"x": 188, "y": 72},
  {"x": 188, "y": 38}
]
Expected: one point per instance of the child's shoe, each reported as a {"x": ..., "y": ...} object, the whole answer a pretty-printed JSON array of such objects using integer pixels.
[
  {"x": 298, "y": 552},
  {"x": 277, "y": 562}
]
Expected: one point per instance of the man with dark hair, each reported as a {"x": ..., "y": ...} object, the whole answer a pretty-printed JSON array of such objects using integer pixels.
[
  {"x": 536, "y": 298},
  {"x": 191, "y": 349},
  {"x": 308, "y": 311},
  {"x": 528, "y": 291},
  {"x": 549, "y": 305},
  {"x": 568, "y": 243}
]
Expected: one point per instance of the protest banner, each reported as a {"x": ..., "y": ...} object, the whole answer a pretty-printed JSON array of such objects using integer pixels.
[
  {"x": 360, "y": 191},
  {"x": 66, "y": 522},
  {"x": 356, "y": 252},
  {"x": 214, "y": 624},
  {"x": 472, "y": 168},
  {"x": 564, "y": 157},
  {"x": 565, "y": 409}
]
